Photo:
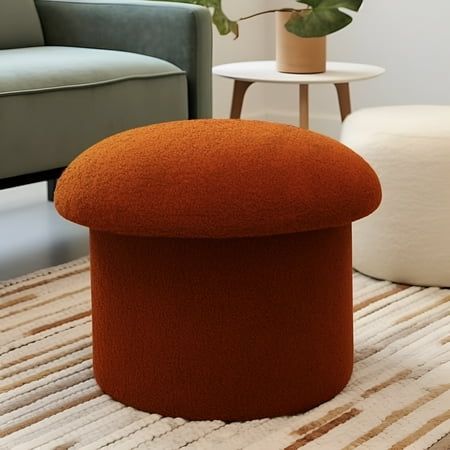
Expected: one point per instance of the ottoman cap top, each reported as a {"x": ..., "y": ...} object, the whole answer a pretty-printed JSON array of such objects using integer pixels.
[{"x": 217, "y": 179}]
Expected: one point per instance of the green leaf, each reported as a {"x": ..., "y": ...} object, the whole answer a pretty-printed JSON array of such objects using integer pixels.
[
  {"x": 322, "y": 18},
  {"x": 353, "y": 5},
  {"x": 223, "y": 24}
]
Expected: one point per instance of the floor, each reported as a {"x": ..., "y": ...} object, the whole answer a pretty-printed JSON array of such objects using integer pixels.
[{"x": 32, "y": 234}]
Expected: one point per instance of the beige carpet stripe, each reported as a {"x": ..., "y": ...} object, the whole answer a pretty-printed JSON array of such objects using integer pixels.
[
  {"x": 49, "y": 413},
  {"x": 53, "y": 439},
  {"x": 42, "y": 281},
  {"x": 417, "y": 331},
  {"x": 25, "y": 400},
  {"x": 397, "y": 415},
  {"x": 345, "y": 417},
  {"x": 105, "y": 436},
  {"x": 396, "y": 334},
  {"x": 414, "y": 325},
  {"x": 388, "y": 347},
  {"x": 391, "y": 308},
  {"x": 45, "y": 302},
  {"x": 44, "y": 373},
  {"x": 49, "y": 400},
  {"x": 18, "y": 300},
  {"x": 183, "y": 435},
  {"x": 47, "y": 386},
  {"x": 414, "y": 421},
  {"x": 394, "y": 379},
  {"x": 87, "y": 422},
  {"x": 38, "y": 314},
  {"x": 121, "y": 435},
  {"x": 42, "y": 326},
  {"x": 408, "y": 298},
  {"x": 364, "y": 289},
  {"x": 63, "y": 361},
  {"x": 80, "y": 315},
  {"x": 39, "y": 307},
  {"x": 376, "y": 298},
  {"x": 422, "y": 431},
  {"x": 423, "y": 310},
  {"x": 389, "y": 342},
  {"x": 323, "y": 420},
  {"x": 402, "y": 353},
  {"x": 27, "y": 344},
  {"x": 45, "y": 351},
  {"x": 238, "y": 434},
  {"x": 147, "y": 434},
  {"x": 389, "y": 332},
  {"x": 50, "y": 357}
]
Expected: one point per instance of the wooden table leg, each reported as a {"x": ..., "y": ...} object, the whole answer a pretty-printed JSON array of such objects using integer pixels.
[
  {"x": 239, "y": 90},
  {"x": 343, "y": 92},
  {"x": 304, "y": 106}
]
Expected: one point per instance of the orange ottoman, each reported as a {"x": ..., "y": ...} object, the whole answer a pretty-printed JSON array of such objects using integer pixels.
[{"x": 221, "y": 265}]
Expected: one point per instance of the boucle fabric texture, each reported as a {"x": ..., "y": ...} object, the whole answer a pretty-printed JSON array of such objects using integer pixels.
[
  {"x": 398, "y": 397},
  {"x": 217, "y": 178},
  {"x": 408, "y": 239},
  {"x": 221, "y": 265},
  {"x": 230, "y": 329}
]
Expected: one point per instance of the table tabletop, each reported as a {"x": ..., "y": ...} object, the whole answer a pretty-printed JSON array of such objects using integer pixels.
[{"x": 266, "y": 71}]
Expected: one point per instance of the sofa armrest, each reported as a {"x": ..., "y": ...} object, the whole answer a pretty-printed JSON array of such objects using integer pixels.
[{"x": 176, "y": 32}]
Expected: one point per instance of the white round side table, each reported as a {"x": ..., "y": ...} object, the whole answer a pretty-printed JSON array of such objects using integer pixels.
[{"x": 246, "y": 73}]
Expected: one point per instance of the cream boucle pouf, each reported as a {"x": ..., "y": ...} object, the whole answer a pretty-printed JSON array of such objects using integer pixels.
[{"x": 408, "y": 239}]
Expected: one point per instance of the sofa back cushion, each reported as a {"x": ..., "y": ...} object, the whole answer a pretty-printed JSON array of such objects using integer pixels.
[{"x": 19, "y": 24}]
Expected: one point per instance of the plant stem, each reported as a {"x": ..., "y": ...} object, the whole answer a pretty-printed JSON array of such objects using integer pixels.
[{"x": 272, "y": 11}]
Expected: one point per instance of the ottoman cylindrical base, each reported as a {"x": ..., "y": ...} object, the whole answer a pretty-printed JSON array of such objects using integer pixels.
[{"x": 229, "y": 329}]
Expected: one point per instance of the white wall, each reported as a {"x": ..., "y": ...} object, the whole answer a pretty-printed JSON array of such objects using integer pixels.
[
  {"x": 410, "y": 38},
  {"x": 252, "y": 44}
]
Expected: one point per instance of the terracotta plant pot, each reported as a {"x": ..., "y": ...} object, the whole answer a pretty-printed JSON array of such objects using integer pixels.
[{"x": 295, "y": 54}]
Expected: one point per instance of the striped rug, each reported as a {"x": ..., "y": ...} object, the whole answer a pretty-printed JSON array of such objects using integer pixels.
[{"x": 398, "y": 397}]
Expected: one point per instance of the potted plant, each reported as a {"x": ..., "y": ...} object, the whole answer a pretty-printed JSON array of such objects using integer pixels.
[{"x": 301, "y": 32}]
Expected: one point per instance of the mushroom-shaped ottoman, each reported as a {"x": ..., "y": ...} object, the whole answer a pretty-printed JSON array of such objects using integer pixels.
[{"x": 220, "y": 265}]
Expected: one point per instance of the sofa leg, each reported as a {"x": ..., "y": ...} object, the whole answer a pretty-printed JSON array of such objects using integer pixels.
[{"x": 51, "y": 186}]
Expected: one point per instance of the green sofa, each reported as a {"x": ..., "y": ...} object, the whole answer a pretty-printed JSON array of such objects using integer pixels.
[{"x": 75, "y": 71}]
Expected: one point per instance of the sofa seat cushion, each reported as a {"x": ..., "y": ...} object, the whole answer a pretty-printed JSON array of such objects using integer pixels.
[
  {"x": 34, "y": 69},
  {"x": 70, "y": 98}
]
